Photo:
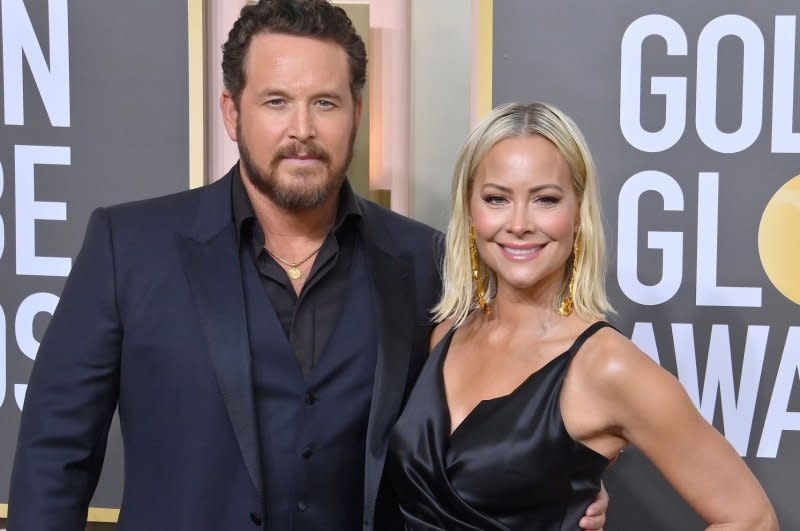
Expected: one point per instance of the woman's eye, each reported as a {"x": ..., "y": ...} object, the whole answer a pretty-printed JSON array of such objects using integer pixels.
[
  {"x": 548, "y": 199},
  {"x": 495, "y": 199}
]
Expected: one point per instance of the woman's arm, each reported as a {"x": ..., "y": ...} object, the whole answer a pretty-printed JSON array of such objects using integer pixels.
[{"x": 646, "y": 406}]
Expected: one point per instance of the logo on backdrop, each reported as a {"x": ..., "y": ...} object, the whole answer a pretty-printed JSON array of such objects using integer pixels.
[
  {"x": 778, "y": 241},
  {"x": 50, "y": 75}
]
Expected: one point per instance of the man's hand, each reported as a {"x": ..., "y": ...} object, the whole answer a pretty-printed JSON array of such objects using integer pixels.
[{"x": 595, "y": 517}]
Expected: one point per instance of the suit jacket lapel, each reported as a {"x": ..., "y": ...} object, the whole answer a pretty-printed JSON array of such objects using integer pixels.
[
  {"x": 393, "y": 286},
  {"x": 211, "y": 261}
]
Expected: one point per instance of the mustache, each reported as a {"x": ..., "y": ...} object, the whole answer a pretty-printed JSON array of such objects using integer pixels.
[{"x": 307, "y": 149}]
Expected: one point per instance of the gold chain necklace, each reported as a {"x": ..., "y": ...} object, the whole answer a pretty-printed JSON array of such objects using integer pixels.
[{"x": 293, "y": 271}]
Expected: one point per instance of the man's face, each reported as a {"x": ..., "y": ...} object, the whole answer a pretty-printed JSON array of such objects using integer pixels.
[{"x": 296, "y": 119}]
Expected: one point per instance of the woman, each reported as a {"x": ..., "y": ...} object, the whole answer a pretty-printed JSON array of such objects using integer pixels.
[{"x": 528, "y": 395}]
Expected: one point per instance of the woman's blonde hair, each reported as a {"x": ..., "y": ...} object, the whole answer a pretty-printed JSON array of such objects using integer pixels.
[{"x": 521, "y": 120}]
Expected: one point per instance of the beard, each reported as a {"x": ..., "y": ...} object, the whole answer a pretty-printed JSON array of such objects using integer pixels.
[{"x": 303, "y": 193}]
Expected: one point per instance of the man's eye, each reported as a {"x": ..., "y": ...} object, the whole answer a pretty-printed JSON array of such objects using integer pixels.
[
  {"x": 325, "y": 104},
  {"x": 274, "y": 102}
]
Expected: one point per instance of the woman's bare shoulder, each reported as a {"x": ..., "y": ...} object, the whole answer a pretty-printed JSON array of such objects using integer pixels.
[
  {"x": 622, "y": 383},
  {"x": 611, "y": 359},
  {"x": 439, "y": 331}
]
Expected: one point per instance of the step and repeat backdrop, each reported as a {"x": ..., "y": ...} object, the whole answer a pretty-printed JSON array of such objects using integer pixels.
[
  {"x": 92, "y": 114},
  {"x": 693, "y": 113}
]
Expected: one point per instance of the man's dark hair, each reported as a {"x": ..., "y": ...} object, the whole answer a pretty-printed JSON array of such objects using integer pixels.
[{"x": 303, "y": 18}]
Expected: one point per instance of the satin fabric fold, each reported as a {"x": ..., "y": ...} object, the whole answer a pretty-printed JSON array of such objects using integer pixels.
[{"x": 510, "y": 465}]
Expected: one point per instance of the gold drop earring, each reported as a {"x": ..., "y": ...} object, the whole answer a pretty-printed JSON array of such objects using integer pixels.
[
  {"x": 567, "y": 302},
  {"x": 480, "y": 289}
]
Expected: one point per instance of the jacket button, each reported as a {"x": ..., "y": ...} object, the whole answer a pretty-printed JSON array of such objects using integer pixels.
[
  {"x": 306, "y": 453},
  {"x": 256, "y": 518},
  {"x": 310, "y": 398},
  {"x": 301, "y": 506}
]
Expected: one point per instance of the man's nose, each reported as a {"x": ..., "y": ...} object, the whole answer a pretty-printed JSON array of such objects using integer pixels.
[{"x": 302, "y": 124}]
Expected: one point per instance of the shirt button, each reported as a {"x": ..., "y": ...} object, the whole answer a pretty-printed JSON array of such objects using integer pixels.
[
  {"x": 310, "y": 398},
  {"x": 301, "y": 506},
  {"x": 256, "y": 518},
  {"x": 307, "y": 452}
]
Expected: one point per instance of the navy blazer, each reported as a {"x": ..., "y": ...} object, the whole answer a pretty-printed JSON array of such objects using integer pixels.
[{"x": 152, "y": 321}]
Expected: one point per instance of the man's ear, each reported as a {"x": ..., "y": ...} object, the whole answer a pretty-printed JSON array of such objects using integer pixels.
[{"x": 230, "y": 113}]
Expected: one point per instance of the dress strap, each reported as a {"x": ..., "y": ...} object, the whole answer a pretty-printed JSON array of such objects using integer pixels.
[{"x": 586, "y": 334}]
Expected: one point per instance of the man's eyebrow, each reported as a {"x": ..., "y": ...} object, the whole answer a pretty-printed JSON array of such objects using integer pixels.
[{"x": 272, "y": 92}]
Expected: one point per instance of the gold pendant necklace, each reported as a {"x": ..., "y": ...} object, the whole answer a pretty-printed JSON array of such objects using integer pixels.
[{"x": 294, "y": 267}]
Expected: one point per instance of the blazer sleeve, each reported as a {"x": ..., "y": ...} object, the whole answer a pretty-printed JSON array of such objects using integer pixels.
[{"x": 71, "y": 396}]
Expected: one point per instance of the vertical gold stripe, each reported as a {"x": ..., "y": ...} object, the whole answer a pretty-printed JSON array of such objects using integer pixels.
[
  {"x": 95, "y": 514},
  {"x": 485, "y": 44},
  {"x": 197, "y": 84},
  {"x": 103, "y": 515}
]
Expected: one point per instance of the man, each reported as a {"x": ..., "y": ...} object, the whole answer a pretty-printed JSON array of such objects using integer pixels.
[{"x": 259, "y": 335}]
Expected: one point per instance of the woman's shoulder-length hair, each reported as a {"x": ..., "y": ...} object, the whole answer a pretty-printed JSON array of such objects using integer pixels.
[{"x": 519, "y": 120}]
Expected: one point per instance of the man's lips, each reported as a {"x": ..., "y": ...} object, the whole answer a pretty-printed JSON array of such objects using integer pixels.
[
  {"x": 303, "y": 153},
  {"x": 302, "y": 158}
]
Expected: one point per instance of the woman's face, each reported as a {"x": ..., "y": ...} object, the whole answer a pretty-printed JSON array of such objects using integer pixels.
[{"x": 525, "y": 213}]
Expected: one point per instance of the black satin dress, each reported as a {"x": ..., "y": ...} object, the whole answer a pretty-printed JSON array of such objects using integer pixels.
[{"x": 510, "y": 465}]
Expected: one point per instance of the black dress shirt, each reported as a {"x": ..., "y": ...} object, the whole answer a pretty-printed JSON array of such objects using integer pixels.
[{"x": 307, "y": 318}]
